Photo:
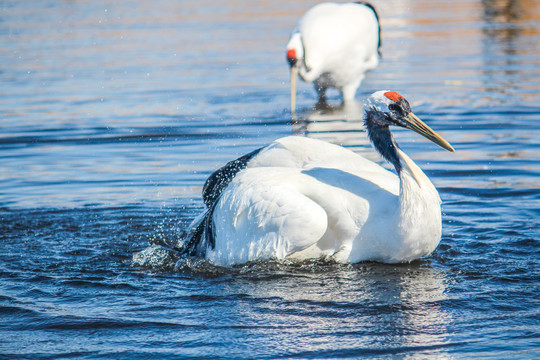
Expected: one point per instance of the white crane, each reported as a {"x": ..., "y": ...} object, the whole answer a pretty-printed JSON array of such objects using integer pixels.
[
  {"x": 333, "y": 45},
  {"x": 302, "y": 198}
]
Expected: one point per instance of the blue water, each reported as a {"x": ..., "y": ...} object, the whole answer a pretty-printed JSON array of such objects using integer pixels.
[{"x": 112, "y": 115}]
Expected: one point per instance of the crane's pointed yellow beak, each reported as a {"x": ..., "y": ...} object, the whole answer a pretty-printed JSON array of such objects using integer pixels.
[
  {"x": 294, "y": 77},
  {"x": 418, "y": 126}
]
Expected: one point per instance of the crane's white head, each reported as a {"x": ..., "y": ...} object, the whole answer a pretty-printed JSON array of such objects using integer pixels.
[
  {"x": 385, "y": 108},
  {"x": 295, "y": 50},
  {"x": 381, "y": 100}
]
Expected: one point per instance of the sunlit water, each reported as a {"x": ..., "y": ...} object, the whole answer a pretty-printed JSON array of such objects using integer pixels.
[{"x": 113, "y": 115}]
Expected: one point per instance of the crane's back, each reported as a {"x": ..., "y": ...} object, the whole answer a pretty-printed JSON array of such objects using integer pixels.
[{"x": 334, "y": 34}]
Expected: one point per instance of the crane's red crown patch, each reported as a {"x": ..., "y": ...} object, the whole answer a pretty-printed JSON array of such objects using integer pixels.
[
  {"x": 291, "y": 54},
  {"x": 394, "y": 96}
]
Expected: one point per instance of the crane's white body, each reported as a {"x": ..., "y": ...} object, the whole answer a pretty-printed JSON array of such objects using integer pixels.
[
  {"x": 337, "y": 44},
  {"x": 303, "y": 198}
]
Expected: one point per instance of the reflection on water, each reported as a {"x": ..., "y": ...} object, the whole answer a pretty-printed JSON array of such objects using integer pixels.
[
  {"x": 499, "y": 46},
  {"x": 426, "y": 319},
  {"x": 342, "y": 125},
  {"x": 367, "y": 308}
]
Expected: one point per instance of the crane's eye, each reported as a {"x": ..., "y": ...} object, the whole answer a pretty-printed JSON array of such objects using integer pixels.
[{"x": 396, "y": 108}]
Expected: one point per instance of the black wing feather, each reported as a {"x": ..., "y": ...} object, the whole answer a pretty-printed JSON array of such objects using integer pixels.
[
  {"x": 220, "y": 179},
  {"x": 201, "y": 233}
]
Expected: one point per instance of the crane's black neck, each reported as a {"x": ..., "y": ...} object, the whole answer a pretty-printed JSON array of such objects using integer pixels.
[{"x": 381, "y": 137}]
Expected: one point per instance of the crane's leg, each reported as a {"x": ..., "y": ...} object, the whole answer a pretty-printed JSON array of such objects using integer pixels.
[{"x": 321, "y": 91}]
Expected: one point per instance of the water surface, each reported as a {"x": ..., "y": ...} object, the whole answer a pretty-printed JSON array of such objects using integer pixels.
[{"x": 113, "y": 115}]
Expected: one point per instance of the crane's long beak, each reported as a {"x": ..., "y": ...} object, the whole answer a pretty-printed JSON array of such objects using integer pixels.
[
  {"x": 418, "y": 126},
  {"x": 294, "y": 77}
]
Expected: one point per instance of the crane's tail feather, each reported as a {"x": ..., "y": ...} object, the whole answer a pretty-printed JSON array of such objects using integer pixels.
[{"x": 200, "y": 235}]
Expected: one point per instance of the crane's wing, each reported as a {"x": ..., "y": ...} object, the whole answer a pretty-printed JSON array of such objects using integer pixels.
[
  {"x": 284, "y": 198},
  {"x": 262, "y": 214},
  {"x": 307, "y": 153}
]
